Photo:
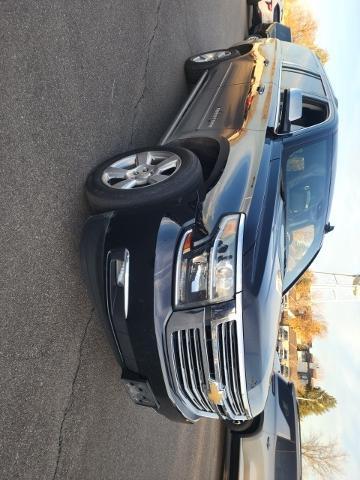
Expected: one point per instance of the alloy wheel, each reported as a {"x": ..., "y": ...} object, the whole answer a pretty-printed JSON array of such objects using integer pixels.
[{"x": 142, "y": 169}]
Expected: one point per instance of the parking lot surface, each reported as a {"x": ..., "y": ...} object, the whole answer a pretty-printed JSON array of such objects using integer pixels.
[{"x": 82, "y": 81}]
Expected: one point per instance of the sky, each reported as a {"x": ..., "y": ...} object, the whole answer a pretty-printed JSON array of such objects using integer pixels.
[{"x": 339, "y": 353}]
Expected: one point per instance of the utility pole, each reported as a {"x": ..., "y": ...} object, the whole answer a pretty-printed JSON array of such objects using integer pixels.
[{"x": 335, "y": 287}]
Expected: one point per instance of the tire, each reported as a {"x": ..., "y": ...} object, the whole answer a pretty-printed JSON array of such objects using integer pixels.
[
  {"x": 195, "y": 69},
  {"x": 182, "y": 180},
  {"x": 239, "y": 427},
  {"x": 248, "y": 427}
]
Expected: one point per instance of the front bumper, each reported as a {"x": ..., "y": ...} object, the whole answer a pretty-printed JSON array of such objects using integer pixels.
[
  {"x": 186, "y": 364},
  {"x": 133, "y": 338}
]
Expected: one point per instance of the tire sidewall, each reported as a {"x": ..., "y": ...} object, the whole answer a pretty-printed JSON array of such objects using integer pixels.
[{"x": 181, "y": 184}]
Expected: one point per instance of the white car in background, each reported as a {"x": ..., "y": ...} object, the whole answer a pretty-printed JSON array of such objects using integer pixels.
[
  {"x": 272, "y": 451},
  {"x": 265, "y": 11}
]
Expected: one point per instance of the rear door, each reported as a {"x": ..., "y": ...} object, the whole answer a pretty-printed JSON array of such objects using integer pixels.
[{"x": 237, "y": 93}]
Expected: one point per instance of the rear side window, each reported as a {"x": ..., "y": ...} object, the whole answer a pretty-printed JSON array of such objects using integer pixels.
[{"x": 308, "y": 83}]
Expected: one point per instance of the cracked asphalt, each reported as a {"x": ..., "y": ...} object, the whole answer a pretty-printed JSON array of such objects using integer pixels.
[{"x": 82, "y": 80}]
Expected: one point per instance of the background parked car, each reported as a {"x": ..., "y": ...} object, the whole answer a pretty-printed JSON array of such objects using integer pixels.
[
  {"x": 273, "y": 450},
  {"x": 265, "y": 11}
]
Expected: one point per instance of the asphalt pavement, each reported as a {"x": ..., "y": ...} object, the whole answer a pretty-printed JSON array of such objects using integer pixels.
[{"x": 80, "y": 81}]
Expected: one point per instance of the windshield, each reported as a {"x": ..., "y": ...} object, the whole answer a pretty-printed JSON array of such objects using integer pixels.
[{"x": 307, "y": 171}]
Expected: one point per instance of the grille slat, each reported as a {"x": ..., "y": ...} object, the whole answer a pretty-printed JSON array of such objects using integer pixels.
[
  {"x": 184, "y": 369},
  {"x": 195, "y": 384},
  {"x": 200, "y": 369},
  {"x": 226, "y": 363},
  {"x": 234, "y": 366}
]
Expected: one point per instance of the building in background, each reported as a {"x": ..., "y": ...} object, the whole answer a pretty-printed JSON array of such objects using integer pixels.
[
  {"x": 307, "y": 368},
  {"x": 297, "y": 362}
]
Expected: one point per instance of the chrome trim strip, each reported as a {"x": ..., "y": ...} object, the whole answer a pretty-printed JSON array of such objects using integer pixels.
[
  {"x": 235, "y": 369},
  {"x": 122, "y": 268},
  {"x": 239, "y": 253},
  {"x": 178, "y": 266},
  {"x": 225, "y": 363},
  {"x": 241, "y": 357},
  {"x": 126, "y": 281},
  {"x": 182, "y": 111},
  {"x": 277, "y": 115}
]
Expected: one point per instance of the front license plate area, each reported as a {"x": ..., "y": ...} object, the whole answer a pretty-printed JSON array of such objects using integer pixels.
[{"x": 140, "y": 392}]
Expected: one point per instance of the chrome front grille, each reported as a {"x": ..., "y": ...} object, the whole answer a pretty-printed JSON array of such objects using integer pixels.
[
  {"x": 189, "y": 369},
  {"x": 202, "y": 359}
]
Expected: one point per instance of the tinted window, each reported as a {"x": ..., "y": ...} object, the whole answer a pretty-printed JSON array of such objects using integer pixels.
[
  {"x": 286, "y": 403},
  {"x": 285, "y": 460},
  {"x": 312, "y": 84},
  {"x": 307, "y": 180}
]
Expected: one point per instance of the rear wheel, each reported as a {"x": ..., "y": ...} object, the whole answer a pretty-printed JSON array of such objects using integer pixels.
[
  {"x": 144, "y": 178},
  {"x": 195, "y": 66}
]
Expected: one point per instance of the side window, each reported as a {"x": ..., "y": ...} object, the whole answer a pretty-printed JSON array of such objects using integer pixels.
[
  {"x": 308, "y": 83},
  {"x": 315, "y": 111}
]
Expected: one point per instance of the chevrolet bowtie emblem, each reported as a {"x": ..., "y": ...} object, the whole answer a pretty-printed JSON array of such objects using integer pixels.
[{"x": 215, "y": 395}]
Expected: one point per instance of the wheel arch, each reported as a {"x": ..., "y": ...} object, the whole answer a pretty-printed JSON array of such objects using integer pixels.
[
  {"x": 244, "y": 430},
  {"x": 212, "y": 153}
]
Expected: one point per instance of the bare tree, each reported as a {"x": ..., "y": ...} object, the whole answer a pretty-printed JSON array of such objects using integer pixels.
[{"x": 325, "y": 458}]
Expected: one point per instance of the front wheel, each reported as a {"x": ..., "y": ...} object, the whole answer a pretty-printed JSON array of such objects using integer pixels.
[
  {"x": 248, "y": 427},
  {"x": 144, "y": 178}
]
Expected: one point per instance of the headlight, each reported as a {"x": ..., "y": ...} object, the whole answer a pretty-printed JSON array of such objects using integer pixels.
[{"x": 206, "y": 271}]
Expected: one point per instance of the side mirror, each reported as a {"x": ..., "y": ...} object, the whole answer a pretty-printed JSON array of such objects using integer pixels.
[
  {"x": 328, "y": 228},
  {"x": 292, "y": 109}
]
